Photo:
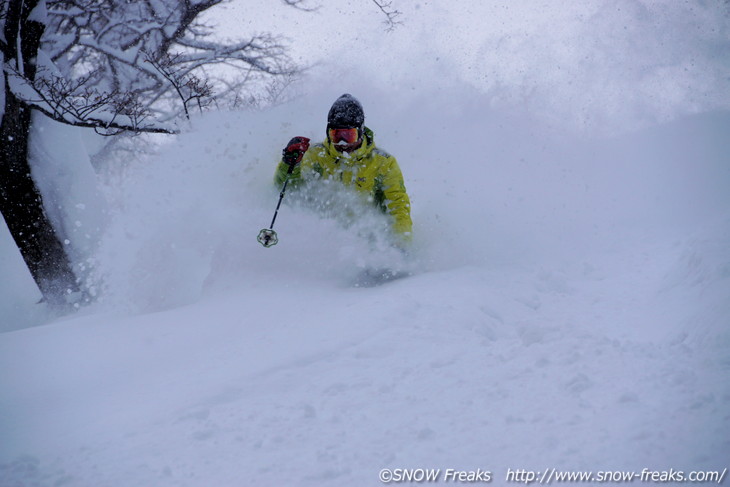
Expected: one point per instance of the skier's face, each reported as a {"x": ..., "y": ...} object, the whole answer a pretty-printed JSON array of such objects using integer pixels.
[{"x": 345, "y": 139}]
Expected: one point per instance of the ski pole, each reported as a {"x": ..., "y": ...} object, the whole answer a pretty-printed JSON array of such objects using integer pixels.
[
  {"x": 292, "y": 156},
  {"x": 267, "y": 236}
]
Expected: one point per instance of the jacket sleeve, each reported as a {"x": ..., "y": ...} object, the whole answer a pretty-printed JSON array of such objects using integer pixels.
[
  {"x": 280, "y": 175},
  {"x": 396, "y": 199}
]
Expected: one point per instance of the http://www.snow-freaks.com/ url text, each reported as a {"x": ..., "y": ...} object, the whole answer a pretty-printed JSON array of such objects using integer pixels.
[{"x": 549, "y": 476}]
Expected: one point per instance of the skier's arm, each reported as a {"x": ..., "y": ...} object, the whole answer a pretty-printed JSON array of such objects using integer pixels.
[
  {"x": 396, "y": 200},
  {"x": 281, "y": 174}
]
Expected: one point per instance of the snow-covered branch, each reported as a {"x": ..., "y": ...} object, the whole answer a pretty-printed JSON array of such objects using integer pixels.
[{"x": 159, "y": 51}]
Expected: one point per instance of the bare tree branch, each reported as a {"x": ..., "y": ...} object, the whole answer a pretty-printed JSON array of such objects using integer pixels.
[
  {"x": 188, "y": 87},
  {"x": 73, "y": 103},
  {"x": 298, "y": 4},
  {"x": 391, "y": 14}
]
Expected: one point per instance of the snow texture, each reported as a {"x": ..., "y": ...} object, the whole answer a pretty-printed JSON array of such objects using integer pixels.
[
  {"x": 568, "y": 306},
  {"x": 39, "y": 13},
  {"x": 61, "y": 168}
]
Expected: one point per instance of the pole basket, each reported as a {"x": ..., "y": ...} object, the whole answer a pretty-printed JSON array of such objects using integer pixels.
[{"x": 267, "y": 238}]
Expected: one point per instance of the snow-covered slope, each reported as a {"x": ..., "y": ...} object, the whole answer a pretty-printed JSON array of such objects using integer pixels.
[{"x": 568, "y": 309}]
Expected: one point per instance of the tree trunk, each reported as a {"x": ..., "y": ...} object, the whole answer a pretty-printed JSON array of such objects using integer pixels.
[{"x": 20, "y": 201}]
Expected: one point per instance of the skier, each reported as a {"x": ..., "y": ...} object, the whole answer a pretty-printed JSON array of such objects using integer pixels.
[{"x": 349, "y": 155}]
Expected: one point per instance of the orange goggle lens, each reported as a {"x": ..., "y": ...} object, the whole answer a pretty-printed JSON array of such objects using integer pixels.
[{"x": 347, "y": 136}]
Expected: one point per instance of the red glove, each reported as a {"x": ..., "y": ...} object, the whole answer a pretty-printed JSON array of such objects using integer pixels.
[{"x": 294, "y": 151}]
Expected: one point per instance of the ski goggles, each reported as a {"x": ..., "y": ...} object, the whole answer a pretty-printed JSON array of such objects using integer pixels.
[{"x": 346, "y": 136}]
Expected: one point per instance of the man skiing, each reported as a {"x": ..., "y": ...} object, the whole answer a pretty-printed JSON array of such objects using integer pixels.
[{"x": 349, "y": 155}]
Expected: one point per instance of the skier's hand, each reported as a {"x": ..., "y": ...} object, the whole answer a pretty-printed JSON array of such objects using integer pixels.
[{"x": 294, "y": 150}]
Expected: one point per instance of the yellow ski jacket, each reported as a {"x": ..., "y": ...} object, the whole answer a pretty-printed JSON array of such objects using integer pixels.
[{"x": 372, "y": 171}]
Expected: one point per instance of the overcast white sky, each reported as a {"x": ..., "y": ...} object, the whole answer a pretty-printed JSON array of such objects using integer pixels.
[{"x": 597, "y": 62}]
